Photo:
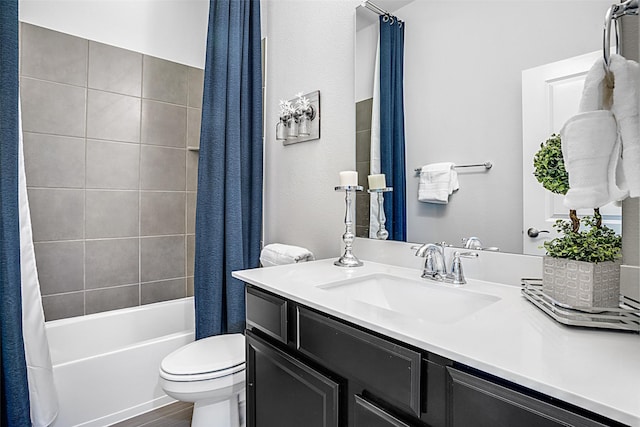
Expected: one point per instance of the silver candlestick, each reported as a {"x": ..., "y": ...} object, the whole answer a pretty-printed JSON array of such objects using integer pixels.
[
  {"x": 348, "y": 259},
  {"x": 382, "y": 233}
]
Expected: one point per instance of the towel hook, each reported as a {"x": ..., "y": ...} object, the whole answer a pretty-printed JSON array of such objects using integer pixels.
[{"x": 629, "y": 7}]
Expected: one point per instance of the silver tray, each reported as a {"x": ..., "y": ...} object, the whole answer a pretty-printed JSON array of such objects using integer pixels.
[{"x": 626, "y": 317}]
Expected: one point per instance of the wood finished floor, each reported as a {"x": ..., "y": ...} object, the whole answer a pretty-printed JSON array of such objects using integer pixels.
[{"x": 177, "y": 414}]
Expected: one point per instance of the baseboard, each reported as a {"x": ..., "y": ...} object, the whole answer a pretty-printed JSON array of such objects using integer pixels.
[{"x": 125, "y": 414}]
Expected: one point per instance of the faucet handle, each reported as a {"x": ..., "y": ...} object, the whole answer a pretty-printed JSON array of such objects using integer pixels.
[
  {"x": 467, "y": 254},
  {"x": 456, "y": 276}
]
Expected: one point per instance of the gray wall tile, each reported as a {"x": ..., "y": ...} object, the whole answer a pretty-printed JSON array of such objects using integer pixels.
[
  {"x": 194, "y": 118},
  {"x": 162, "y": 258},
  {"x": 196, "y": 83},
  {"x": 191, "y": 212},
  {"x": 362, "y": 209},
  {"x": 164, "y": 124},
  {"x": 192, "y": 170},
  {"x": 112, "y": 116},
  {"x": 63, "y": 105},
  {"x": 52, "y": 108},
  {"x": 164, "y": 80},
  {"x": 113, "y": 165},
  {"x": 162, "y": 213},
  {"x": 111, "y": 262},
  {"x": 111, "y": 214},
  {"x": 100, "y": 300},
  {"x": 54, "y": 56},
  {"x": 191, "y": 250},
  {"x": 190, "y": 286},
  {"x": 56, "y": 214},
  {"x": 363, "y": 169},
  {"x": 162, "y": 168},
  {"x": 54, "y": 161},
  {"x": 63, "y": 306},
  {"x": 163, "y": 290},
  {"x": 60, "y": 266},
  {"x": 114, "y": 69},
  {"x": 363, "y": 114},
  {"x": 363, "y": 146}
]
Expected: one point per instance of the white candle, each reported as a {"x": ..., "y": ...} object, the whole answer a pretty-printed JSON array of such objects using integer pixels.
[
  {"x": 377, "y": 181},
  {"x": 348, "y": 178}
]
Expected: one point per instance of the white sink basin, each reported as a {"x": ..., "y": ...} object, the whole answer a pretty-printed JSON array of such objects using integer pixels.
[{"x": 417, "y": 298}]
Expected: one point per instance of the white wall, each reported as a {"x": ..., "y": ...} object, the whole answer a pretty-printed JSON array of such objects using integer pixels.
[
  {"x": 463, "y": 103},
  {"x": 366, "y": 46},
  {"x": 175, "y": 30},
  {"x": 310, "y": 46}
]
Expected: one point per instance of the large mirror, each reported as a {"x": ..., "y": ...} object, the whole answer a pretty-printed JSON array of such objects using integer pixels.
[{"x": 463, "y": 94}]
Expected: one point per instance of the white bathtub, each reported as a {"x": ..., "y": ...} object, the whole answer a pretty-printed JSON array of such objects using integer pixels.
[{"x": 106, "y": 365}]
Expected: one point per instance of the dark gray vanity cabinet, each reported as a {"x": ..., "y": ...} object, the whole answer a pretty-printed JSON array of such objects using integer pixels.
[{"x": 306, "y": 368}]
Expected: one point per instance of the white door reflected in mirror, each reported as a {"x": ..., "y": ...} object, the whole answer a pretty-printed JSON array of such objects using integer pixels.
[{"x": 550, "y": 96}]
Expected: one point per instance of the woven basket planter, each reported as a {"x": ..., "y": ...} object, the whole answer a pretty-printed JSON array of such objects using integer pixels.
[{"x": 580, "y": 283}]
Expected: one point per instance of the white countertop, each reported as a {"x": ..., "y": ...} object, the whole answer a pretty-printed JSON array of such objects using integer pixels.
[{"x": 594, "y": 369}]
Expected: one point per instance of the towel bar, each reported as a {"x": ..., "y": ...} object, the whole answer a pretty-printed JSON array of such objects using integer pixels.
[{"x": 486, "y": 165}]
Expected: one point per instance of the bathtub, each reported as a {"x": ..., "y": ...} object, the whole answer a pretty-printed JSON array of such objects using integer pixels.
[{"x": 105, "y": 365}]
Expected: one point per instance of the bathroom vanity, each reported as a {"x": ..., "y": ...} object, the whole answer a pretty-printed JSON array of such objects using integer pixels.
[{"x": 378, "y": 346}]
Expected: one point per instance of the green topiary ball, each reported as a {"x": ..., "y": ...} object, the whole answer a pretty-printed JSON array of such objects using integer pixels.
[{"x": 549, "y": 166}]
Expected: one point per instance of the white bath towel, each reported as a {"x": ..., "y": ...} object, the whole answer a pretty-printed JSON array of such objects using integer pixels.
[
  {"x": 280, "y": 254},
  {"x": 437, "y": 182},
  {"x": 625, "y": 109}
]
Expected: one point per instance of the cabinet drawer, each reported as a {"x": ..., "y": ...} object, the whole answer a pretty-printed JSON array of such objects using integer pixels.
[
  {"x": 267, "y": 313},
  {"x": 387, "y": 370},
  {"x": 369, "y": 415},
  {"x": 478, "y": 402}
]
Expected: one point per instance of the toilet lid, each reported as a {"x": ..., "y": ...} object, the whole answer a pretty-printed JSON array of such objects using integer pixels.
[{"x": 217, "y": 353}]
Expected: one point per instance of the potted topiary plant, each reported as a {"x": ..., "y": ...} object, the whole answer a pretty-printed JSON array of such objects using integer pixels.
[{"x": 582, "y": 267}]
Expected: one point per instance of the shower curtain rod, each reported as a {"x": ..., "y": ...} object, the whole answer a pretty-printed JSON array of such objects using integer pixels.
[
  {"x": 372, "y": 7},
  {"x": 380, "y": 11}
]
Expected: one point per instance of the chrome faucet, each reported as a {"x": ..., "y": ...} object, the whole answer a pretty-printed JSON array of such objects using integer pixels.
[
  {"x": 472, "y": 243},
  {"x": 435, "y": 267}
]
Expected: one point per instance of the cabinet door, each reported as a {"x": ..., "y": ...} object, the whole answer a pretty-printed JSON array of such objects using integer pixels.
[
  {"x": 284, "y": 392},
  {"x": 368, "y": 414},
  {"x": 478, "y": 402}
]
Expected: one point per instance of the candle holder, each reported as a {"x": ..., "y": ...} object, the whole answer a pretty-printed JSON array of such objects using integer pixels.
[
  {"x": 348, "y": 259},
  {"x": 382, "y": 233}
]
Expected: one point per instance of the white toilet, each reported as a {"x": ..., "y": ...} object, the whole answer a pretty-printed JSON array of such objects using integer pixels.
[{"x": 211, "y": 373}]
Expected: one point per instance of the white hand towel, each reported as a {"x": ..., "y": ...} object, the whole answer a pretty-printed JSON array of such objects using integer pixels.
[
  {"x": 279, "y": 254},
  {"x": 437, "y": 182},
  {"x": 625, "y": 109},
  {"x": 591, "y": 145},
  {"x": 588, "y": 140}
]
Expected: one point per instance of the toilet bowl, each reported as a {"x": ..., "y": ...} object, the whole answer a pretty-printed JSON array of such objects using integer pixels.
[{"x": 210, "y": 373}]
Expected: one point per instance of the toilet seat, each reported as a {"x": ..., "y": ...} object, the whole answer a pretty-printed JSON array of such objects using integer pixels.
[{"x": 205, "y": 359}]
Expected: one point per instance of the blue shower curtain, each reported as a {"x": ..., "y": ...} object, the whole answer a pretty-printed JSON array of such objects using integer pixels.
[
  {"x": 392, "y": 151},
  {"x": 229, "y": 207},
  {"x": 15, "y": 391}
]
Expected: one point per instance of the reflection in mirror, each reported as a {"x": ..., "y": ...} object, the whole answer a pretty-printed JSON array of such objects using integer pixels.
[{"x": 463, "y": 91}]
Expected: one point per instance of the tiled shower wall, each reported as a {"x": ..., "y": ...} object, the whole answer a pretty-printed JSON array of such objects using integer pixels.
[
  {"x": 111, "y": 182},
  {"x": 363, "y": 155}
]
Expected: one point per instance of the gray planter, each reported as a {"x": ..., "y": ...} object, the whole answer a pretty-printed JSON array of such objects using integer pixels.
[{"x": 580, "y": 283}]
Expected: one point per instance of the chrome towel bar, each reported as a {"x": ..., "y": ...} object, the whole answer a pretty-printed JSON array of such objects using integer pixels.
[{"x": 486, "y": 165}]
